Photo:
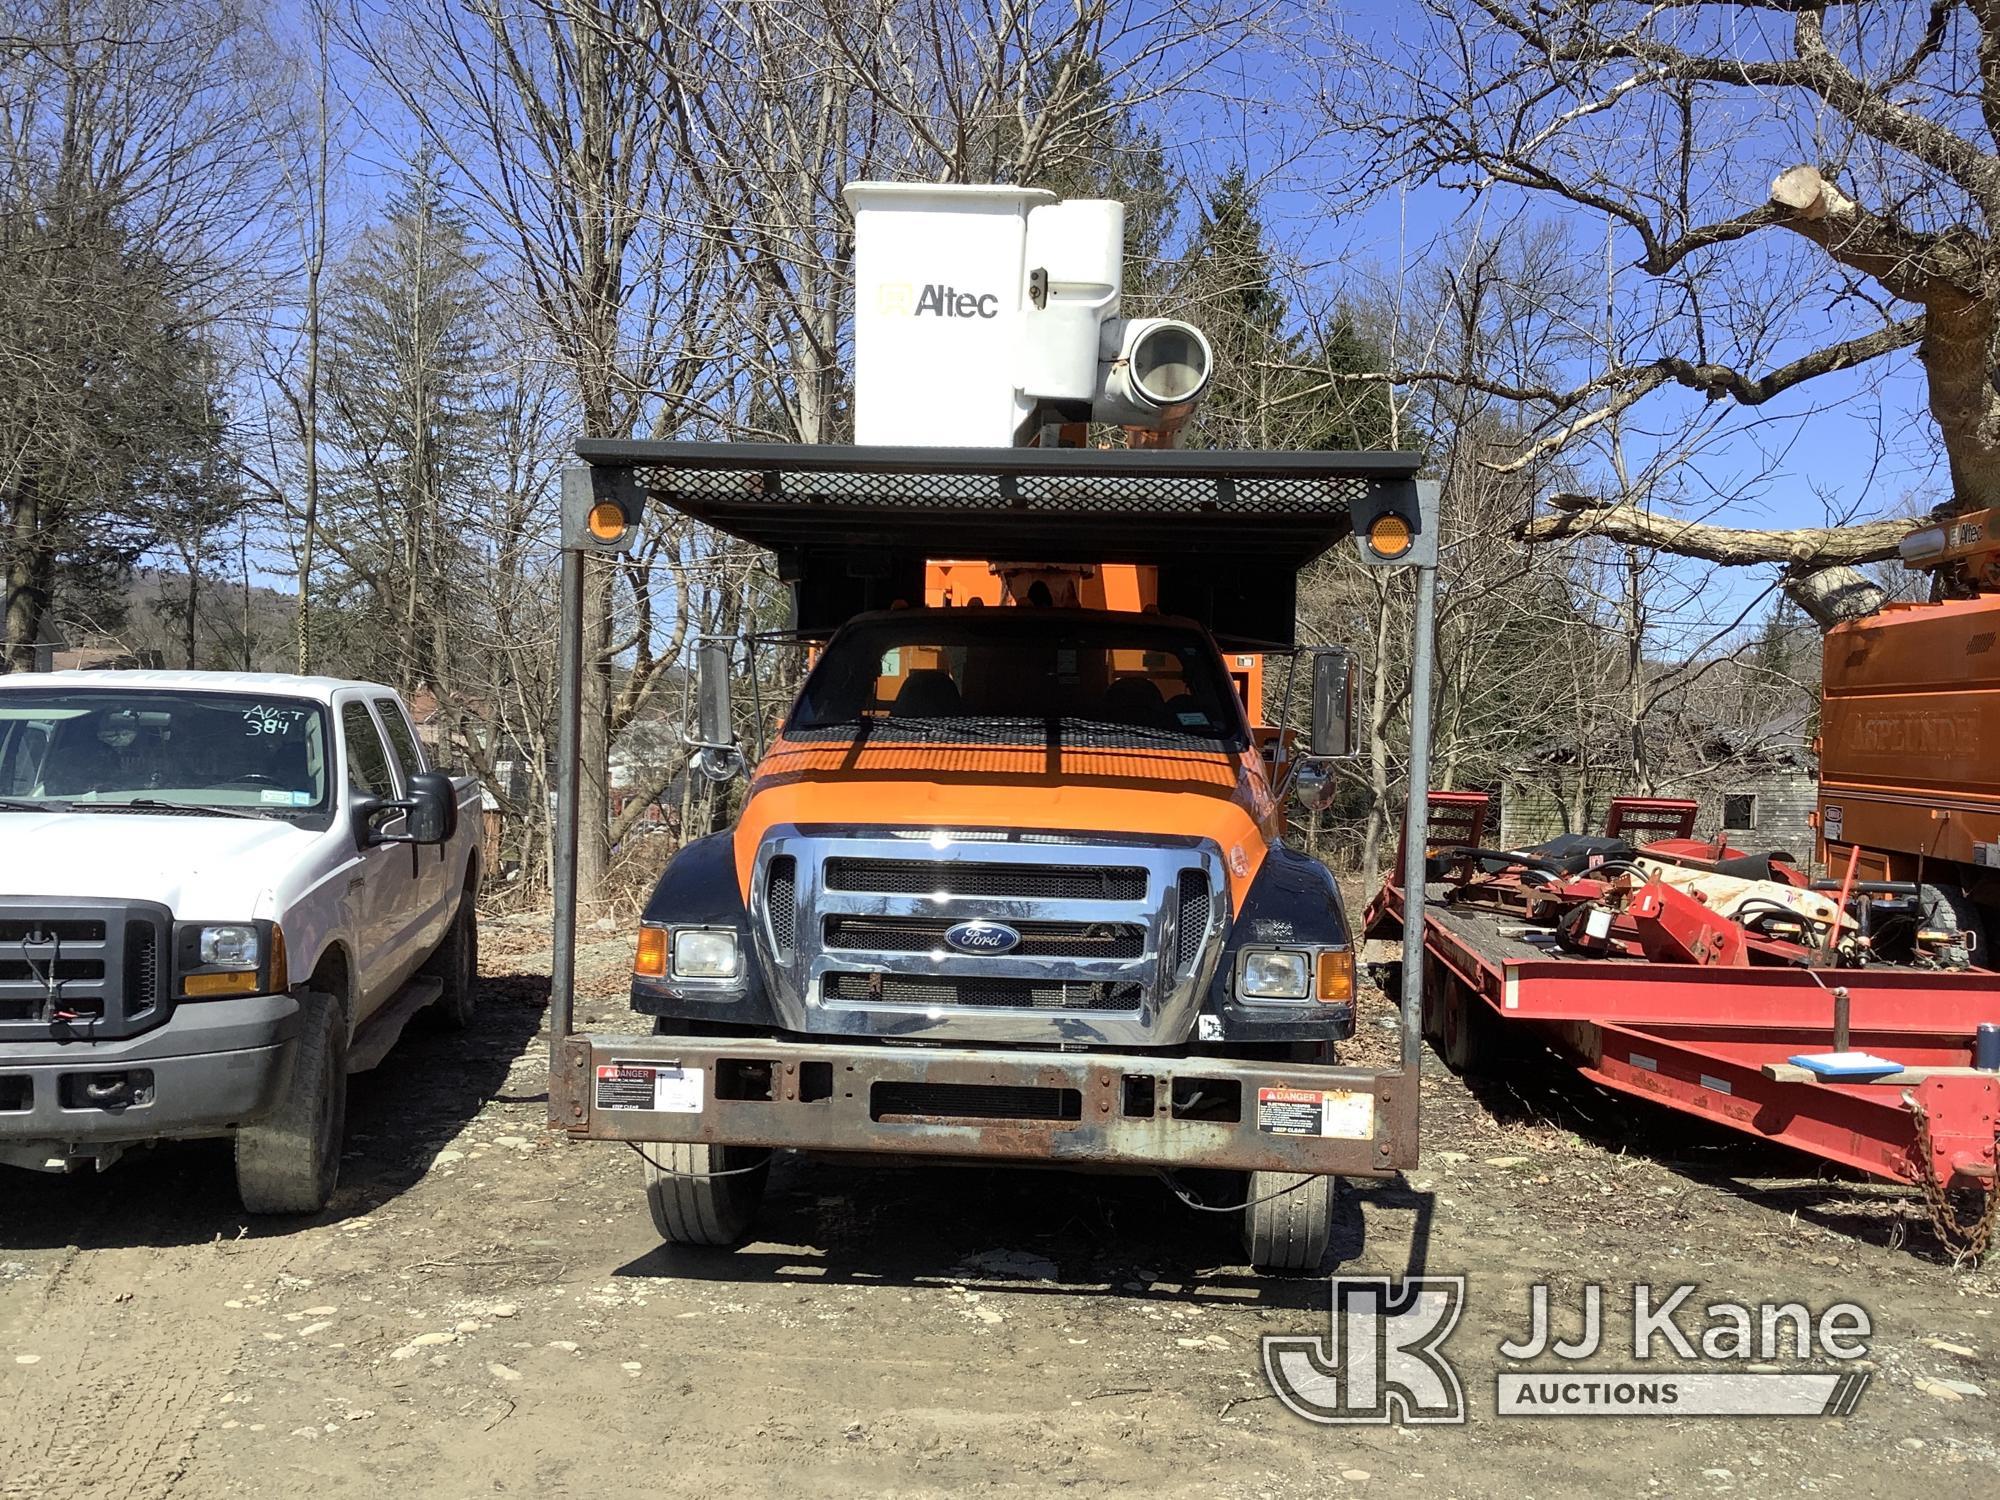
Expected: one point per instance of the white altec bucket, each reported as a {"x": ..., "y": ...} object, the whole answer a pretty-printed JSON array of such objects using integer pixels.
[
  {"x": 982, "y": 311},
  {"x": 939, "y": 277}
]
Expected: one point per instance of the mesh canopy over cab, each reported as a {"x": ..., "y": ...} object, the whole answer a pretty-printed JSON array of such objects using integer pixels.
[{"x": 853, "y": 526}]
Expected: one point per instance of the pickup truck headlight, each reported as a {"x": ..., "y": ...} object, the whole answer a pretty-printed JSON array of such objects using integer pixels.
[
  {"x": 216, "y": 960},
  {"x": 1273, "y": 975},
  {"x": 230, "y": 947},
  {"x": 704, "y": 953}
]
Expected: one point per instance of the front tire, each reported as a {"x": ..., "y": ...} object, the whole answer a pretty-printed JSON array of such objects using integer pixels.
[
  {"x": 695, "y": 1209},
  {"x": 289, "y": 1161},
  {"x": 1288, "y": 1232}
]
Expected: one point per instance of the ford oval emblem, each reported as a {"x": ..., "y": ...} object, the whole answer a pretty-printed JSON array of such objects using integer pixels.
[{"x": 982, "y": 937}]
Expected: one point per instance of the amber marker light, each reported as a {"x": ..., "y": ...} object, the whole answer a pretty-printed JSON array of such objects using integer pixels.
[
  {"x": 1389, "y": 535},
  {"x": 1336, "y": 974},
  {"x": 652, "y": 958}
]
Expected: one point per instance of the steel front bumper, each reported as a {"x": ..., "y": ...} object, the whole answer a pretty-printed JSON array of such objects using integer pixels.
[
  {"x": 1108, "y": 1109},
  {"x": 214, "y": 1065}
]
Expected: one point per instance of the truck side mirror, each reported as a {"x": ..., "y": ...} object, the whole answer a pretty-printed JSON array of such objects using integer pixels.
[
  {"x": 1313, "y": 785},
  {"x": 1333, "y": 705},
  {"x": 432, "y": 809},
  {"x": 715, "y": 741}
]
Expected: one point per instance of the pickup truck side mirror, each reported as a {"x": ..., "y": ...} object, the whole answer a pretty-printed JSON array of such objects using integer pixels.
[
  {"x": 1333, "y": 736},
  {"x": 432, "y": 807}
]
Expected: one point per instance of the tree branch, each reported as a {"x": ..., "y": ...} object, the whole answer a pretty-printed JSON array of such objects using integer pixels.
[{"x": 1804, "y": 547}]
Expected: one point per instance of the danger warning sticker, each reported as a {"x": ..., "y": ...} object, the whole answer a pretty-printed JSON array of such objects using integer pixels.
[
  {"x": 667, "y": 1089},
  {"x": 1341, "y": 1113}
]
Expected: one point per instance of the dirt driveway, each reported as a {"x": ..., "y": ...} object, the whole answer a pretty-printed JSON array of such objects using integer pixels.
[{"x": 487, "y": 1311}]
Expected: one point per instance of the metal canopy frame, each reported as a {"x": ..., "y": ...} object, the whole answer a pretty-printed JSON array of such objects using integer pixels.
[{"x": 1054, "y": 505}]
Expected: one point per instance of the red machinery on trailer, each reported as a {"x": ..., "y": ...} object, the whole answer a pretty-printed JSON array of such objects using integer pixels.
[{"x": 1836, "y": 1016}]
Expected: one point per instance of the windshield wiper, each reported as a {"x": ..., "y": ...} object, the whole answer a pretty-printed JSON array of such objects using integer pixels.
[
  {"x": 26, "y": 804},
  {"x": 153, "y": 804}
]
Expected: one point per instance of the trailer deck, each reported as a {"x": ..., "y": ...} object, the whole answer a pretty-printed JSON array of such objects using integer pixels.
[{"x": 1718, "y": 1040}]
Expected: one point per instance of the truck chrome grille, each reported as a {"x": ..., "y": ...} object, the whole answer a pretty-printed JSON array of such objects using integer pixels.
[
  {"x": 1000, "y": 994},
  {"x": 1112, "y": 939},
  {"x": 1038, "y": 939},
  {"x": 918, "y": 877}
]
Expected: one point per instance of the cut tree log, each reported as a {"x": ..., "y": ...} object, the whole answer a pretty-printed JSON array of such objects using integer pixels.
[
  {"x": 1797, "y": 547},
  {"x": 1819, "y": 561}
]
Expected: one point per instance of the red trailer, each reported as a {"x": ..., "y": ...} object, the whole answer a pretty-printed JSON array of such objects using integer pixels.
[{"x": 1831, "y": 1016}]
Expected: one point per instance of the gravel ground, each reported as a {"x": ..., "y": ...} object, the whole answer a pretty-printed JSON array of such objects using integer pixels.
[{"x": 486, "y": 1310}]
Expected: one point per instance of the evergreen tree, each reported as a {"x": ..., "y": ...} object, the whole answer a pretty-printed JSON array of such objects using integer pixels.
[
  {"x": 111, "y": 419},
  {"x": 1267, "y": 391},
  {"x": 409, "y": 371}
]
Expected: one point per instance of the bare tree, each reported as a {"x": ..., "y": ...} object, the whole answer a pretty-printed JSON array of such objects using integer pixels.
[
  {"x": 1806, "y": 187},
  {"x": 552, "y": 114}
]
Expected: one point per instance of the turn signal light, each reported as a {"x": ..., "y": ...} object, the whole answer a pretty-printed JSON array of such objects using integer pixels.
[
  {"x": 652, "y": 959},
  {"x": 1336, "y": 974},
  {"x": 206, "y": 986}
]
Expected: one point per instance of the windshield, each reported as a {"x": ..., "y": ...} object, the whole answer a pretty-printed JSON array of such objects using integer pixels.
[
  {"x": 1004, "y": 676},
  {"x": 104, "y": 748}
]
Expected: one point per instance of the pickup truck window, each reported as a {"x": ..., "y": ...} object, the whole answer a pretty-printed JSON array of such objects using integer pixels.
[
  {"x": 1007, "y": 676},
  {"x": 401, "y": 742},
  {"x": 367, "y": 761},
  {"x": 82, "y": 748}
]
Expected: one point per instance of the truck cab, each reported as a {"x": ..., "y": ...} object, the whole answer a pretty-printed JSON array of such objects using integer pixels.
[
  {"x": 1040, "y": 826},
  {"x": 220, "y": 893}
]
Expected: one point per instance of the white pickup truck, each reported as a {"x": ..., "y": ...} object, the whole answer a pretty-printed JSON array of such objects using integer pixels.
[{"x": 220, "y": 894}]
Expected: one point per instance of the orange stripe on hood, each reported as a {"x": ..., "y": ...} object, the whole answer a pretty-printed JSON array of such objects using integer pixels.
[{"x": 1215, "y": 795}]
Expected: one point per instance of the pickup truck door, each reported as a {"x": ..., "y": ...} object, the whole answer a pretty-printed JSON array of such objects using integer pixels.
[
  {"x": 432, "y": 867},
  {"x": 382, "y": 892}
]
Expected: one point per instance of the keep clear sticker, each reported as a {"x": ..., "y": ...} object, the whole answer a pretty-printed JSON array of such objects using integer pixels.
[
  {"x": 663, "y": 1089},
  {"x": 1342, "y": 1113}
]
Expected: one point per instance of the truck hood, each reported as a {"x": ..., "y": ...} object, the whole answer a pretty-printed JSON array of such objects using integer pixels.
[
  {"x": 202, "y": 868},
  {"x": 1214, "y": 795}
]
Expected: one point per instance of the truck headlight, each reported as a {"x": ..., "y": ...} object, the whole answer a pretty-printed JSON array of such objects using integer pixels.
[
  {"x": 1273, "y": 976},
  {"x": 212, "y": 961},
  {"x": 230, "y": 947},
  {"x": 701, "y": 953}
]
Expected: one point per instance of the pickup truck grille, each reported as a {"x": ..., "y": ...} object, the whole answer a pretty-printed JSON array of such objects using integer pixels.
[{"x": 81, "y": 969}]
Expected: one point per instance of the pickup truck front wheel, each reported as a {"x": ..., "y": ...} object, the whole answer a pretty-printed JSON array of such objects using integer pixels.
[
  {"x": 704, "y": 1195},
  {"x": 288, "y": 1162}
]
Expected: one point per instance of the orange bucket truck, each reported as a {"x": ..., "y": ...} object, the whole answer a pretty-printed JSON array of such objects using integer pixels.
[{"x": 1010, "y": 882}]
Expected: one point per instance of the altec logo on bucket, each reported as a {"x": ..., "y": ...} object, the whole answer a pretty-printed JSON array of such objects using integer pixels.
[
  {"x": 1383, "y": 1359},
  {"x": 935, "y": 300}
]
